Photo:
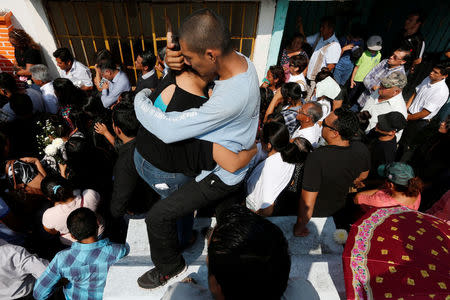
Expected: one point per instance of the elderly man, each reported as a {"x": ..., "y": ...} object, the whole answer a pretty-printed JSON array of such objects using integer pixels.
[
  {"x": 308, "y": 115},
  {"x": 388, "y": 97},
  {"x": 117, "y": 83},
  {"x": 72, "y": 69},
  {"x": 395, "y": 63},
  {"x": 41, "y": 77}
]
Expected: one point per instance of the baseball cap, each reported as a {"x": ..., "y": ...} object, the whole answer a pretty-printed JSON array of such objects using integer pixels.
[
  {"x": 374, "y": 43},
  {"x": 397, "y": 172},
  {"x": 327, "y": 87},
  {"x": 396, "y": 78},
  {"x": 391, "y": 121}
]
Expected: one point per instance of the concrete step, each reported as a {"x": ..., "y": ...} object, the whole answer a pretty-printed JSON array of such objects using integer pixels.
[{"x": 316, "y": 257}]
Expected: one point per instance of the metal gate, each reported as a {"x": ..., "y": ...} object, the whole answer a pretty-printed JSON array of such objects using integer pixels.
[{"x": 127, "y": 27}]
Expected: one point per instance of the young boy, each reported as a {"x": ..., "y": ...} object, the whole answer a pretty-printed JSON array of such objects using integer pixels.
[
  {"x": 369, "y": 59},
  {"x": 297, "y": 65},
  {"x": 85, "y": 264}
]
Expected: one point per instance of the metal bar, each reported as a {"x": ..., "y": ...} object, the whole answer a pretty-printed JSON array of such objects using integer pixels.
[
  {"x": 79, "y": 33},
  {"x": 178, "y": 15},
  {"x": 147, "y": 36},
  {"x": 66, "y": 27},
  {"x": 90, "y": 27},
  {"x": 54, "y": 28},
  {"x": 140, "y": 25},
  {"x": 131, "y": 41},
  {"x": 155, "y": 47},
  {"x": 118, "y": 34},
  {"x": 242, "y": 27},
  {"x": 102, "y": 22},
  {"x": 231, "y": 17}
]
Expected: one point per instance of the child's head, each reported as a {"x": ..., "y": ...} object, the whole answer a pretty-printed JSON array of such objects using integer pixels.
[
  {"x": 297, "y": 41},
  {"x": 82, "y": 223},
  {"x": 275, "y": 75},
  {"x": 374, "y": 44},
  {"x": 297, "y": 64},
  {"x": 291, "y": 92},
  {"x": 124, "y": 120},
  {"x": 56, "y": 188}
]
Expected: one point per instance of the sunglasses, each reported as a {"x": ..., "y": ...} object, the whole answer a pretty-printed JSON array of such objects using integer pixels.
[{"x": 324, "y": 124}]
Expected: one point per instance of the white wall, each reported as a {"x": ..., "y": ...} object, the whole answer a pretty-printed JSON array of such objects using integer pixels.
[
  {"x": 30, "y": 15},
  {"x": 263, "y": 36}
]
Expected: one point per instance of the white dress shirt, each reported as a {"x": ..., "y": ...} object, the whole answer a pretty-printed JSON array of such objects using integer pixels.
[
  {"x": 331, "y": 55},
  {"x": 79, "y": 74},
  {"x": 376, "y": 108},
  {"x": 430, "y": 97},
  {"x": 312, "y": 134},
  {"x": 50, "y": 100},
  {"x": 19, "y": 271}
]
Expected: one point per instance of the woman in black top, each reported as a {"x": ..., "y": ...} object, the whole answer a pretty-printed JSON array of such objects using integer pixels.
[{"x": 26, "y": 51}]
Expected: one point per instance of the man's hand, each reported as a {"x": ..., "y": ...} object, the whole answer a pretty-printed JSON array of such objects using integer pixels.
[
  {"x": 100, "y": 128},
  {"x": 174, "y": 59},
  {"x": 105, "y": 85},
  {"x": 300, "y": 230},
  {"x": 352, "y": 84},
  {"x": 347, "y": 47}
]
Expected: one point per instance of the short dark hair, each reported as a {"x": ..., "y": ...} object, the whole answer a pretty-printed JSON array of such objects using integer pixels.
[
  {"x": 21, "y": 104},
  {"x": 347, "y": 123},
  {"x": 124, "y": 117},
  {"x": 247, "y": 250},
  {"x": 421, "y": 16},
  {"x": 291, "y": 90},
  {"x": 128, "y": 98},
  {"x": 299, "y": 61},
  {"x": 107, "y": 64},
  {"x": 408, "y": 56},
  {"x": 329, "y": 20},
  {"x": 204, "y": 29},
  {"x": 82, "y": 223},
  {"x": 8, "y": 82},
  {"x": 63, "y": 54},
  {"x": 324, "y": 73},
  {"x": 443, "y": 67},
  {"x": 148, "y": 58}
]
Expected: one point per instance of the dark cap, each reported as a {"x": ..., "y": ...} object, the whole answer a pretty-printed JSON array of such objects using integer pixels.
[{"x": 391, "y": 121}]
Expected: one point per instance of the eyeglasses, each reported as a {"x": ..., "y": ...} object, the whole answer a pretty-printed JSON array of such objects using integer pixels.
[{"x": 324, "y": 124}]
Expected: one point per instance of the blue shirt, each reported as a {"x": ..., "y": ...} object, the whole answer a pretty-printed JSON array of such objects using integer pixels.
[
  {"x": 84, "y": 265},
  {"x": 117, "y": 86},
  {"x": 229, "y": 118}
]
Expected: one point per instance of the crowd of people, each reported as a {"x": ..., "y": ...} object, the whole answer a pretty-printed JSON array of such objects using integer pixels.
[{"x": 326, "y": 134}]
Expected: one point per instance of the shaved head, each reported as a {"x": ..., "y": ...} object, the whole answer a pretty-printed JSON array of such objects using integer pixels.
[{"x": 204, "y": 30}]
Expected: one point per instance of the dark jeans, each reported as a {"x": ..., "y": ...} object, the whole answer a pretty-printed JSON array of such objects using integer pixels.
[
  {"x": 165, "y": 184},
  {"x": 161, "y": 219}
]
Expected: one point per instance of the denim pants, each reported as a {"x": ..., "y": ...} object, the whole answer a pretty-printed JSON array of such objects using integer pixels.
[
  {"x": 343, "y": 70},
  {"x": 165, "y": 184}
]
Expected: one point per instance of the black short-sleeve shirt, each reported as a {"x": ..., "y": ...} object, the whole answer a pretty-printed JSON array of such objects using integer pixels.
[
  {"x": 189, "y": 156},
  {"x": 27, "y": 56},
  {"x": 331, "y": 170}
]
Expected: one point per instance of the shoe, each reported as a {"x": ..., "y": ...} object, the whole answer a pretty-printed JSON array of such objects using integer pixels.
[{"x": 153, "y": 278}]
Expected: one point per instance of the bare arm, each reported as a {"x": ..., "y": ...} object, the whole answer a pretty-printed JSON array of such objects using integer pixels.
[
  {"x": 408, "y": 104},
  {"x": 26, "y": 71},
  {"x": 277, "y": 99},
  {"x": 364, "y": 193},
  {"x": 50, "y": 230},
  {"x": 420, "y": 115},
  {"x": 305, "y": 212},
  {"x": 231, "y": 161},
  {"x": 352, "y": 81},
  {"x": 101, "y": 128},
  {"x": 358, "y": 182},
  {"x": 266, "y": 212}
]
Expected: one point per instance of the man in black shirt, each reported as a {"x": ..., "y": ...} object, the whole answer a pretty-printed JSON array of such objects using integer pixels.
[
  {"x": 384, "y": 145},
  {"x": 130, "y": 193},
  {"x": 145, "y": 62},
  {"x": 331, "y": 170}
]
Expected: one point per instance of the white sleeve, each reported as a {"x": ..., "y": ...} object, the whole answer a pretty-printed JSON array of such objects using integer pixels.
[
  {"x": 435, "y": 102},
  {"x": 422, "y": 50},
  {"x": 312, "y": 39},
  {"x": 333, "y": 54},
  {"x": 28, "y": 263}
]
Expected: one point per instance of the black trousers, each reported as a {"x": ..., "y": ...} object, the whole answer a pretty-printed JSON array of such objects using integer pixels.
[
  {"x": 355, "y": 92},
  {"x": 410, "y": 139},
  {"x": 161, "y": 219}
]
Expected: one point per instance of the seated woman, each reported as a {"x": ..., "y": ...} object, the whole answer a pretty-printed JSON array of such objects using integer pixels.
[
  {"x": 59, "y": 191},
  {"x": 276, "y": 161},
  {"x": 401, "y": 188}
]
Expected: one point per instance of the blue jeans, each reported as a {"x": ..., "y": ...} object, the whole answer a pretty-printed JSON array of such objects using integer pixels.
[
  {"x": 343, "y": 70},
  {"x": 165, "y": 184}
]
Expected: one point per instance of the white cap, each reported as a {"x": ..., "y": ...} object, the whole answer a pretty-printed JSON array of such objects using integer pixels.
[
  {"x": 327, "y": 87},
  {"x": 375, "y": 43}
]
